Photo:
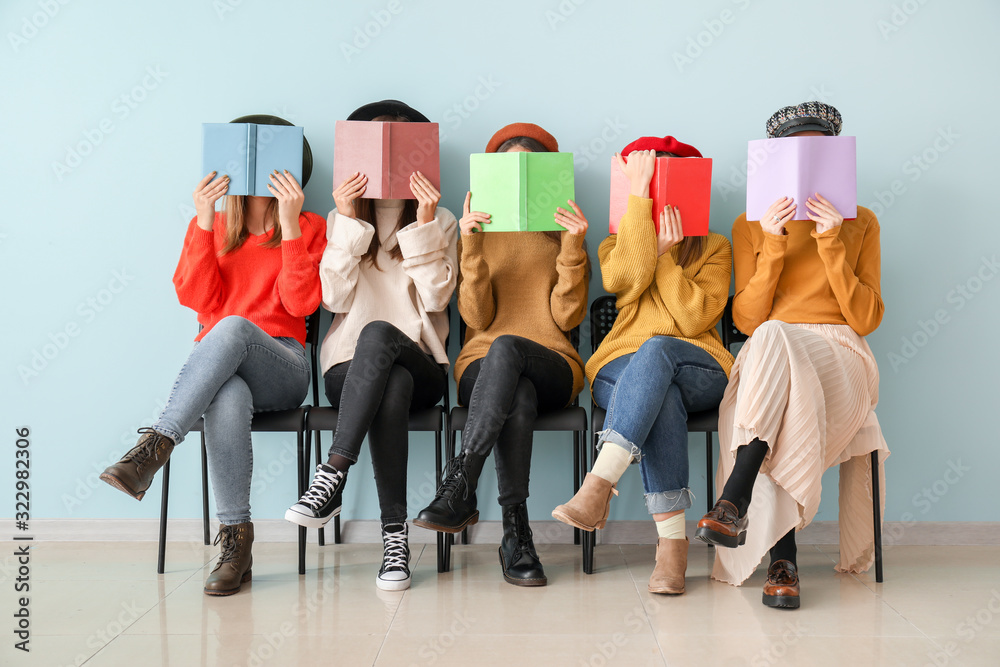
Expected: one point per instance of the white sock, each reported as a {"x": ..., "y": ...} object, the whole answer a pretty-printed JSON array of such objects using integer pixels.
[
  {"x": 612, "y": 462},
  {"x": 672, "y": 528}
]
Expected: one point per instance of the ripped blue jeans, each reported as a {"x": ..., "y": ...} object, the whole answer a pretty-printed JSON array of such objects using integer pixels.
[{"x": 648, "y": 395}]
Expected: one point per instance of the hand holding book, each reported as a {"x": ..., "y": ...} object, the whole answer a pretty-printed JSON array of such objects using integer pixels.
[
  {"x": 823, "y": 213},
  {"x": 639, "y": 171},
  {"x": 777, "y": 214},
  {"x": 472, "y": 221},
  {"x": 206, "y": 193},
  {"x": 670, "y": 231},
  {"x": 286, "y": 190},
  {"x": 574, "y": 222},
  {"x": 345, "y": 193},
  {"x": 427, "y": 197}
]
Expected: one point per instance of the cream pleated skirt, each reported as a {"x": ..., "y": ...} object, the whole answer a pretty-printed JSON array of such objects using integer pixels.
[{"x": 809, "y": 391}]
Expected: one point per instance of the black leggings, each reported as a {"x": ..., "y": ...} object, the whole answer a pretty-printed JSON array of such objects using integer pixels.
[
  {"x": 505, "y": 391},
  {"x": 388, "y": 377}
]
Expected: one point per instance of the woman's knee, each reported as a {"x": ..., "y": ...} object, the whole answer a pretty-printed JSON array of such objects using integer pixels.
[
  {"x": 232, "y": 327},
  {"x": 506, "y": 349}
]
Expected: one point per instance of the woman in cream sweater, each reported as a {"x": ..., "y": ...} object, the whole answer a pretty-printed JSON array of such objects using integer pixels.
[
  {"x": 521, "y": 294},
  {"x": 662, "y": 359},
  {"x": 388, "y": 273}
]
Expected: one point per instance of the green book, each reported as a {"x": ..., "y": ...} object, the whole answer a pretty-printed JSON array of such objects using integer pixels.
[{"x": 521, "y": 191}]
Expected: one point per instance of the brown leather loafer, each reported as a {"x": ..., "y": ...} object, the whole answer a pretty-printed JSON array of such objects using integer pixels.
[
  {"x": 134, "y": 473},
  {"x": 723, "y": 526},
  {"x": 781, "y": 589}
]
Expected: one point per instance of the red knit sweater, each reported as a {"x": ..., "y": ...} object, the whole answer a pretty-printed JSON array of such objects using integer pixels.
[{"x": 275, "y": 288}]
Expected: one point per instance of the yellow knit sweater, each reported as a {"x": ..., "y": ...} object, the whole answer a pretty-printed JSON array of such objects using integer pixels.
[
  {"x": 521, "y": 284},
  {"x": 655, "y": 296}
]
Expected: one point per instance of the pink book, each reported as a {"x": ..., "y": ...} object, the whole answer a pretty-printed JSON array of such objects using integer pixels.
[
  {"x": 799, "y": 167},
  {"x": 684, "y": 182},
  {"x": 387, "y": 153}
]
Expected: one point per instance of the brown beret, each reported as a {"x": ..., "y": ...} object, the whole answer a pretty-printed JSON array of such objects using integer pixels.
[{"x": 522, "y": 130}]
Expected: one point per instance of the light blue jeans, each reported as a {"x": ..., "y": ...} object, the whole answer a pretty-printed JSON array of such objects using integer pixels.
[
  {"x": 235, "y": 370},
  {"x": 648, "y": 395}
]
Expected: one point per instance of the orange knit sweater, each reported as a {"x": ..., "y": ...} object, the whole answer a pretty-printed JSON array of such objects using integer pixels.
[
  {"x": 275, "y": 288},
  {"x": 655, "y": 296},
  {"x": 808, "y": 278}
]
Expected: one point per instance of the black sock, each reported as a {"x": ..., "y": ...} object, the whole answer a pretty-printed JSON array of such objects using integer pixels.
[
  {"x": 785, "y": 548},
  {"x": 739, "y": 486},
  {"x": 338, "y": 462}
]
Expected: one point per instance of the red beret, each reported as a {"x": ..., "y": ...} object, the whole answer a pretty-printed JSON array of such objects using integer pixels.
[
  {"x": 522, "y": 130},
  {"x": 665, "y": 144}
]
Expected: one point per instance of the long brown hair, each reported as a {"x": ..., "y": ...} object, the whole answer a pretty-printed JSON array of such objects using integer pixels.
[
  {"x": 692, "y": 247},
  {"x": 236, "y": 223}
]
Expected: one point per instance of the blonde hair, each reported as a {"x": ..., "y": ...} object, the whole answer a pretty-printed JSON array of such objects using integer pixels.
[{"x": 236, "y": 224}]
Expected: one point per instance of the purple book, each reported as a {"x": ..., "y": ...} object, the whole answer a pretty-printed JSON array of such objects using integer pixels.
[{"x": 799, "y": 167}]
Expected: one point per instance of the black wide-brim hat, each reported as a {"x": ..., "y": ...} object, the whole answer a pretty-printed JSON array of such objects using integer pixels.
[
  {"x": 265, "y": 119},
  {"x": 388, "y": 108}
]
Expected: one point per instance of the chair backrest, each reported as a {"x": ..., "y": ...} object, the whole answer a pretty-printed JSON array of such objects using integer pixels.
[{"x": 603, "y": 313}]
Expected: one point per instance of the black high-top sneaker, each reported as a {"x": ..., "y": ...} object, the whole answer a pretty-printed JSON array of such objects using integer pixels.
[
  {"x": 322, "y": 501},
  {"x": 395, "y": 572}
]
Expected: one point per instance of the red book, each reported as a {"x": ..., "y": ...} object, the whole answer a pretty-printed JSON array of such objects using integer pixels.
[
  {"x": 387, "y": 153},
  {"x": 684, "y": 182}
]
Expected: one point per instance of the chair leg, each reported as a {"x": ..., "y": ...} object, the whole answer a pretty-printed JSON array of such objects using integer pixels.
[
  {"x": 301, "y": 461},
  {"x": 204, "y": 492},
  {"x": 709, "y": 471},
  {"x": 876, "y": 515},
  {"x": 322, "y": 531},
  {"x": 162, "y": 547},
  {"x": 589, "y": 538},
  {"x": 577, "y": 477}
]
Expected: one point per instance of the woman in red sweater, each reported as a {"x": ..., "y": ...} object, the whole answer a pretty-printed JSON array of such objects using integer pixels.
[{"x": 252, "y": 275}]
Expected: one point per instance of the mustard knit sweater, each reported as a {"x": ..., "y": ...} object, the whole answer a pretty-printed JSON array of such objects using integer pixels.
[
  {"x": 655, "y": 296},
  {"x": 521, "y": 284}
]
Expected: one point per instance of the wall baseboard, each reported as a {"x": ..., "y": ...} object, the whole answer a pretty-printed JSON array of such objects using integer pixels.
[{"x": 930, "y": 533}]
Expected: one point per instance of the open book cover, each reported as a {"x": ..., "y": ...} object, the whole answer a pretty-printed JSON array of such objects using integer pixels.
[
  {"x": 521, "y": 191},
  {"x": 684, "y": 182},
  {"x": 799, "y": 167},
  {"x": 387, "y": 153},
  {"x": 248, "y": 153}
]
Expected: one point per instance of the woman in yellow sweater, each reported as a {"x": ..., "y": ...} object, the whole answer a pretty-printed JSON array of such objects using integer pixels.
[
  {"x": 662, "y": 358},
  {"x": 803, "y": 390},
  {"x": 521, "y": 294}
]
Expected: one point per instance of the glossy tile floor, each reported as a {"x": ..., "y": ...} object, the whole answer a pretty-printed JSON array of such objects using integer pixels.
[{"x": 102, "y": 604}]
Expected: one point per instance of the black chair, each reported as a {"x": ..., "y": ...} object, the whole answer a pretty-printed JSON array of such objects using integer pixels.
[
  {"x": 433, "y": 420},
  {"x": 572, "y": 418},
  {"x": 277, "y": 421},
  {"x": 603, "y": 313}
]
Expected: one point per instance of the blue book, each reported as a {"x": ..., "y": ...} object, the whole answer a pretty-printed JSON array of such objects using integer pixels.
[{"x": 248, "y": 153}]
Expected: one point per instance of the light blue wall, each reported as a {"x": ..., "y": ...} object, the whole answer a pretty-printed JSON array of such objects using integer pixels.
[{"x": 911, "y": 78}]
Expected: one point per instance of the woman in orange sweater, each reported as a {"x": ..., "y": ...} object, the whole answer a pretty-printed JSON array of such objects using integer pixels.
[
  {"x": 252, "y": 275},
  {"x": 803, "y": 390},
  {"x": 662, "y": 359},
  {"x": 520, "y": 293}
]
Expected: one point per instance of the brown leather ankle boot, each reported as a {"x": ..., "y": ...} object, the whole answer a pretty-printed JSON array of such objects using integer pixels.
[
  {"x": 671, "y": 564},
  {"x": 134, "y": 472},
  {"x": 589, "y": 508},
  {"x": 235, "y": 561}
]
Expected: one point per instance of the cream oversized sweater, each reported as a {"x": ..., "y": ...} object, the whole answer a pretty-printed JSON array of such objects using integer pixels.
[{"x": 412, "y": 295}]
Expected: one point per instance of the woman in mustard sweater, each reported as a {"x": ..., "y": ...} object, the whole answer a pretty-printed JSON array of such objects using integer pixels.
[
  {"x": 521, "y": 294},
  {"x": 803, "y": 390},
  {"x": 662, "y": 359}
]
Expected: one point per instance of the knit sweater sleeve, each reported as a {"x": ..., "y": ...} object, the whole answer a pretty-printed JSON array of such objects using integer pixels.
[
  {"x": 858, "y": 291},
  {"x": 757, "y": 274},
  {"x": 298, "y": 281},
  {"x": 568, "y": 300},
  {"x": 476, "y": 301},
  {"x": 197, "y": 279},
  {"x": 695, "y": 304},
  {"x": 628, "y": 258},
  {"x": 429, "y": 258},
  {"x": 347, "y": 241}
]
